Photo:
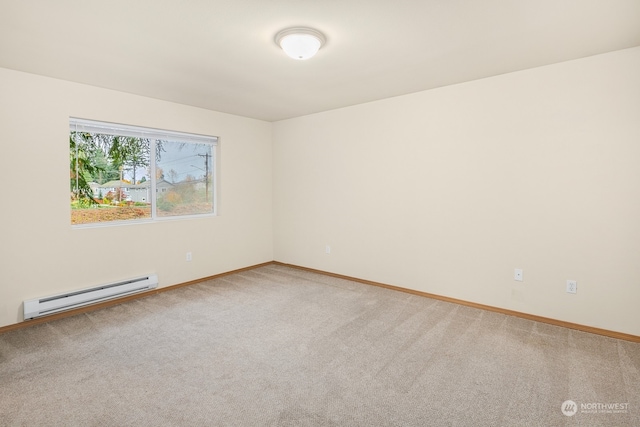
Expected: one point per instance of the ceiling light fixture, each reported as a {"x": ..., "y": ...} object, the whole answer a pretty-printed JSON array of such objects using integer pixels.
[{"x": 300, "y": 43}]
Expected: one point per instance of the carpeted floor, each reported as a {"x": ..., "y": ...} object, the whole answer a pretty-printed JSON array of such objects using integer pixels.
[{"x": 277, "y": 346}]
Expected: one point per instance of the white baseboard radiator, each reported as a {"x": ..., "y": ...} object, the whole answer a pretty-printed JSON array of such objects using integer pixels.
[{"x": 55, "y": 303}]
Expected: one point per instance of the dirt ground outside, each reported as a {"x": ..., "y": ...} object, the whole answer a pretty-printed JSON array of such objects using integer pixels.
[{"x": 103, "y": 214}]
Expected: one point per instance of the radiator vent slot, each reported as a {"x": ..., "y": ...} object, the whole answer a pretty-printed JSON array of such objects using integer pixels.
[{"x": 56, "y": 303}]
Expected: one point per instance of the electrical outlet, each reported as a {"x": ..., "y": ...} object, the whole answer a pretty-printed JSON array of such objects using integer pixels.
[
  {"x": 327, "y": 249},
  {"x": 517, "y": 274},
  {"x": 188, "y": 256},
  {"x": 572, "y": 286}
]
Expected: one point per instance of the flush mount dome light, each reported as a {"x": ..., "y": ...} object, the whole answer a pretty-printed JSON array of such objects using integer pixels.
[{"x": 300, "y": 43}]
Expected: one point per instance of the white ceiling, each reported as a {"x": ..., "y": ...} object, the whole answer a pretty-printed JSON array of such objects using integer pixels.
[{"x": 220, "y": 54}]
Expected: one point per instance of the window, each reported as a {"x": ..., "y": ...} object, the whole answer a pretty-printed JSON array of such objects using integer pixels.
[{"x": 124, "y": 173}]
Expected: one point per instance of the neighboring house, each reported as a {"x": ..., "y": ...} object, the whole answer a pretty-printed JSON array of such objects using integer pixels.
[
  {"x": 135, "y": 193},
  {"x": 139, "y": 192},
  {"x": 163, "y": 186},
  {"x": 112, "y": 186},
  {"x": 96, "y": 189}
]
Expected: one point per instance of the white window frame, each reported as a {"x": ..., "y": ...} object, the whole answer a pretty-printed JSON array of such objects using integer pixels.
[{"x": 93, "y": 126}]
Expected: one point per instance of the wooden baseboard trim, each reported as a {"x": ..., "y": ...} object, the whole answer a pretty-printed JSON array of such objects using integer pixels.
[
  {"x": 576, "y": 326},
  {"x": 104, "y": 304}
]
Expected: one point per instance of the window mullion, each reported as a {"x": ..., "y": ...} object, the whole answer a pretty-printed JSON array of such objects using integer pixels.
[{"x": 152, "y": 172}]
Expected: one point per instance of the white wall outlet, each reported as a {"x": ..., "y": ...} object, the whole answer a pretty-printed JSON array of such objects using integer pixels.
[
  {"x": 517, "y": 274},
  {"x": 572, "y": 286},
  {"x": 188, "y": 257},
  {"x": 327, "y": 249}
]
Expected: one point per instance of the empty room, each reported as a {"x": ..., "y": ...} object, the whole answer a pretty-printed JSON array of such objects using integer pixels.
[{"x": 297, "y": 213}]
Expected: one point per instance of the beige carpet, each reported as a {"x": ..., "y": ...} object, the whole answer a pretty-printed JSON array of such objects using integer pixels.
[{"x": 277, "y": 346}]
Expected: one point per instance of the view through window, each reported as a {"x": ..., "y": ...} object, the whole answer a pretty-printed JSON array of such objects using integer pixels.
[{"x": 126, "y": 173}]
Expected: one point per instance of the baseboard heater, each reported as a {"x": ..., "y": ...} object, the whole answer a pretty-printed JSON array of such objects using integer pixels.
[{"x": 55, "y": 303}]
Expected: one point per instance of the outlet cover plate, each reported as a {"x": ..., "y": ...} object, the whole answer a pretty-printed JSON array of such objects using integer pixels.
[
  {"x": 572, "y": 286},
  {"x": 517, "y": 274}
]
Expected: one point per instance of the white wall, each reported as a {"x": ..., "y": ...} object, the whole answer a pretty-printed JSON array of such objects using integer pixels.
[
  {"x": 447, "y": 191},
  {"x": 41, "y": 254},
  {"x": 444, "y": 191}
]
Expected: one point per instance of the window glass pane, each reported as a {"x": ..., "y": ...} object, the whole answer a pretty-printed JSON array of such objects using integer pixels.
[
  {"x": 184, "y": 183},
  {"x": 127, "y": 173},
  {"x": 109, "y": 178}
]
